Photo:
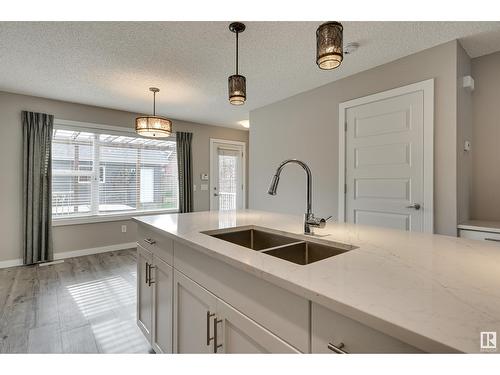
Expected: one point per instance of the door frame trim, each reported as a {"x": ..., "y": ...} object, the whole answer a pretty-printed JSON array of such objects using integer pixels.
[
  {"x": 427, "y": 87},
  {"x": 213, "y": 141}
]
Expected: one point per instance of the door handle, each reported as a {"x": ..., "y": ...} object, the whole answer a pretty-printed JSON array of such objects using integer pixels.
[
  {"x": 337, "y": 349},
  {"x": 216, "y": 344},
  {"x": 149, "y": 241},
  {"x": 150, "y": 281},
  {"x": 216, "y": 195},
  {"x": 209, "y": 315},
  {"x": 415, "y": 206}
]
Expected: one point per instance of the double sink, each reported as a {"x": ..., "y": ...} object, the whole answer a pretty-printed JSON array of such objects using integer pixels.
[{"x": 289, "y": 247}]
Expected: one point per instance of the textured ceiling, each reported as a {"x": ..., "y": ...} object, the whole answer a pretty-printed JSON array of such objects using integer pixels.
[{"x": 112, "y": 64}]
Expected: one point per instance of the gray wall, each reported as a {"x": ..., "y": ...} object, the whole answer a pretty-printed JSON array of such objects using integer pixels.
[
  {"x": 305, "y": 126},
  {"x": 464, "y": 133},
  {"x": 485, "y": 200},
  {"x": 83, "y": 236}
]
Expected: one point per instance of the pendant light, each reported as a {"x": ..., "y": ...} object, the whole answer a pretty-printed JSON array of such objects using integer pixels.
[
  {"x": 153, "y": 126},
  {"x": 329, "y": 53},
  {"x": 237, "y": 83}
]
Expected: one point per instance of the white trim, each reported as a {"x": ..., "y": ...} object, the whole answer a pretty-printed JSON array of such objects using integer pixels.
[
  {"x": 11, "y": 263},
  {"x": 428, "y": 88},
  {"x": 109, "y": 217},
  {"x": 243, "y": 167},
  {"x": 75, "y": 253},
  {"x": 90, "y": 125},
  {"x": 101, "y": 128}
]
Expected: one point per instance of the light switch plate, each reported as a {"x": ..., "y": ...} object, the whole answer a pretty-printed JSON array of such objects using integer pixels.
[{"x": 204, "y": 176}]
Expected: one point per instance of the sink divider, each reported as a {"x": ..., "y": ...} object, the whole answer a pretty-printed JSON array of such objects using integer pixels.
[{"x": 298, "y": 242}]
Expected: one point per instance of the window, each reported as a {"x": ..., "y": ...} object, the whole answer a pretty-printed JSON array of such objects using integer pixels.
[{"x": 99, "y": 173}]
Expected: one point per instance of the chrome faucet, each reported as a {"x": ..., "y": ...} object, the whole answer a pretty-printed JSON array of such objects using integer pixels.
[{"x": 309, "y": 220}]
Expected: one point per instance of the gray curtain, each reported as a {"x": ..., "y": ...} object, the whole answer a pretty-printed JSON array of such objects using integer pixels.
[
  {"x": 37, "y": 176},
  {"x": 185, "y": 171}
]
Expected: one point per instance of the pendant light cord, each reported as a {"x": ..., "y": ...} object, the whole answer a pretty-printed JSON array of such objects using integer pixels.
[
  {"x": 237, "y": 53},
  {"x": 154, "y": 103}
]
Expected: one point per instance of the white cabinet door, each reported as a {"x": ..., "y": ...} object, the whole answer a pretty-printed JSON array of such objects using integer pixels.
[
  {"x": 194, "y": 309},
  {"x": 162, "y": 280},
  {"x": 236, "y": 333},
  {"x": 144, "y": 292}
]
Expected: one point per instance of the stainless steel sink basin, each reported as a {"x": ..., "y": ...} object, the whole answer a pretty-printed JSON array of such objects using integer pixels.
[
  {"x": 305, "y": 252},
  {"x": 254, "y": 239},
  {"x": 294, "y": 248}
]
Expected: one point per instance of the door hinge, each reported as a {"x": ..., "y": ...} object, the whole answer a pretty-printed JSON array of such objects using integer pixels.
[
  {"x": 345, "y": 126},
  {"x": 345, "y": 188}
]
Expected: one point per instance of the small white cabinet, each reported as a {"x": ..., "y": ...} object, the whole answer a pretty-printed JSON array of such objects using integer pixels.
[
  {"x": 194, "y": 308},
  {"x": 162, "y": 281},
  {"x": 154, "y": 300},
  {"x": 144, "y": 292}
]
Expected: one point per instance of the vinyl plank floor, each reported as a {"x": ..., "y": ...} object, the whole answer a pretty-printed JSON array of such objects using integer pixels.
[{"x": 84, "y": 305}]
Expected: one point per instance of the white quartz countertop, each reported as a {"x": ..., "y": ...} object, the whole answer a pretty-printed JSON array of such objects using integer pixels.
[
  {"x": 481, "y": 225},
  {"x": 435, "y": 292}
]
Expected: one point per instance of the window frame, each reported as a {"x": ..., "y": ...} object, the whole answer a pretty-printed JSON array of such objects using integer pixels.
[{"x": 96, "y": 217}]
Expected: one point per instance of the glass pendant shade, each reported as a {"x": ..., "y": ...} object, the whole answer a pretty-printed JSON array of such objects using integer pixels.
[
  {"x": 237, "y": 89},
  {"x": 329, "y": 53},
  {"x": 153, "y": 126}
]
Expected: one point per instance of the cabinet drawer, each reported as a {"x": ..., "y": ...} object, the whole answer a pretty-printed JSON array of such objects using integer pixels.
[
  {"x": 160, "y": 245},
  {"x": 478, "y": 235},
  {"x": 329, "y": 327}
]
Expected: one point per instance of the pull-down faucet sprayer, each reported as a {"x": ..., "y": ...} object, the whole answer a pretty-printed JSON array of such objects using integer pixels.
[{"x": 309, "y": 220}]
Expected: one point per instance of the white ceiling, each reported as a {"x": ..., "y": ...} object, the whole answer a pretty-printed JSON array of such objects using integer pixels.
[{"x": 112, "y": 64}]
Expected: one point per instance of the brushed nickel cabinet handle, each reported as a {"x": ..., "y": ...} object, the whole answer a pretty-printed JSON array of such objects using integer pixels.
[
  {"x": 337, "y": 349},
  {"x": 492, "y": 239},
  {"x": 150, "y": 281},
  {"x": 216, "y": 344},
  {"x": 149, "y": 241},
  {"x": 146, "y": 273},
  {"x": 209, "y": 315}
]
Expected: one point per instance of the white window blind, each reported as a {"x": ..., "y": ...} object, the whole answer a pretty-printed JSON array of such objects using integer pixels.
[{"x": 96, "y": 173}]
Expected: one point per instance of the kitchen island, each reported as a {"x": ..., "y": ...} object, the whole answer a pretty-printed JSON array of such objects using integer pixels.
[{"x": 389, "y": 291}]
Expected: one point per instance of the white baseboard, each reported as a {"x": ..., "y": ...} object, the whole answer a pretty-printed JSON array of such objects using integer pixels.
[
  {"x": 75, "y": 253},
  {"x": 11, "y": 263}
]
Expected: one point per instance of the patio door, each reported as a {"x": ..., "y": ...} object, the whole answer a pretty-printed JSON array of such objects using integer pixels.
[{"x": 227, "y": 171}]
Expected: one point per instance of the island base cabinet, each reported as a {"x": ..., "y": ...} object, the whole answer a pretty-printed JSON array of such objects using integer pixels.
[
  {"x": 162, "y": 282},
  {"x": 204, "y": 323},
  {"x": 335, "y": 333},
  {"x": 144, "y": 292}
]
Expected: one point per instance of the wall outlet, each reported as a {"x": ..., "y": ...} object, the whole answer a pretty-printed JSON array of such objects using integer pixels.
[{"x": 124, "y": 229}]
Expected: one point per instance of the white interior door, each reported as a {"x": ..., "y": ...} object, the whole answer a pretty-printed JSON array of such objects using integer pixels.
[
  {"x": 384, "y": 161},
  {"x": 227, "y": 176}
]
